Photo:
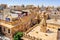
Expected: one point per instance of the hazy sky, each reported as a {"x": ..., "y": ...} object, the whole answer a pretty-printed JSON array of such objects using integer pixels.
[{"x": 34, "y": 2}]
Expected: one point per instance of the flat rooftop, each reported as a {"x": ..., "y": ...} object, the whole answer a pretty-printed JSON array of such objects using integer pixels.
[
  {"x": 52, "y": 21},
  {"x": 12, "y": 24},
  {"x": 44, "y": 36},
  {"x": 6, "y": 25}
]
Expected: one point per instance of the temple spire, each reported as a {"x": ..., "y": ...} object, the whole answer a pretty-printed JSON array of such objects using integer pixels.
[{"x": 43, "y": 23}]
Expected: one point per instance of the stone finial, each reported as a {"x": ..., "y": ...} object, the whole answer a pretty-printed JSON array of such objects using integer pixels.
[{"x": 55, "y": 17}]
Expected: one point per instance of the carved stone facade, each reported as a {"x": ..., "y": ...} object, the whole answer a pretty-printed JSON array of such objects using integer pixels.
[{"x": 43, "y": 23}]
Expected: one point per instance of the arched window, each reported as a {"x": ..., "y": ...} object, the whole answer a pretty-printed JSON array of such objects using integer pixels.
[{"x": 8, "y": 30}]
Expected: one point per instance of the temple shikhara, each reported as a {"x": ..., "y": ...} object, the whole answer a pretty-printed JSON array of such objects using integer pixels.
[{"x": 35, "y": 22}]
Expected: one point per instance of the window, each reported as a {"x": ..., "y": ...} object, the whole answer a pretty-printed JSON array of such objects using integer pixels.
[
  {"x": 8, "y": 30},
  {"x": 0, "y": 28},
  {"x": 58, "y": 29}
]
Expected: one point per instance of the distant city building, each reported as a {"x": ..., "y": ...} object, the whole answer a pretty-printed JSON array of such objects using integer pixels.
[{"x": 37, "y": 23}]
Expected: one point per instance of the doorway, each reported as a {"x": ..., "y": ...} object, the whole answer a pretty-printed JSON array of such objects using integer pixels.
[{"x": 58, "y": 35}]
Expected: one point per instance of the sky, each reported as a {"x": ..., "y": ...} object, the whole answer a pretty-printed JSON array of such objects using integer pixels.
[{"x": 31, "y": 2}]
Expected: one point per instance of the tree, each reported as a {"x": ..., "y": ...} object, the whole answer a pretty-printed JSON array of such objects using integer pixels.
[{"x": 18, "y": 36}]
